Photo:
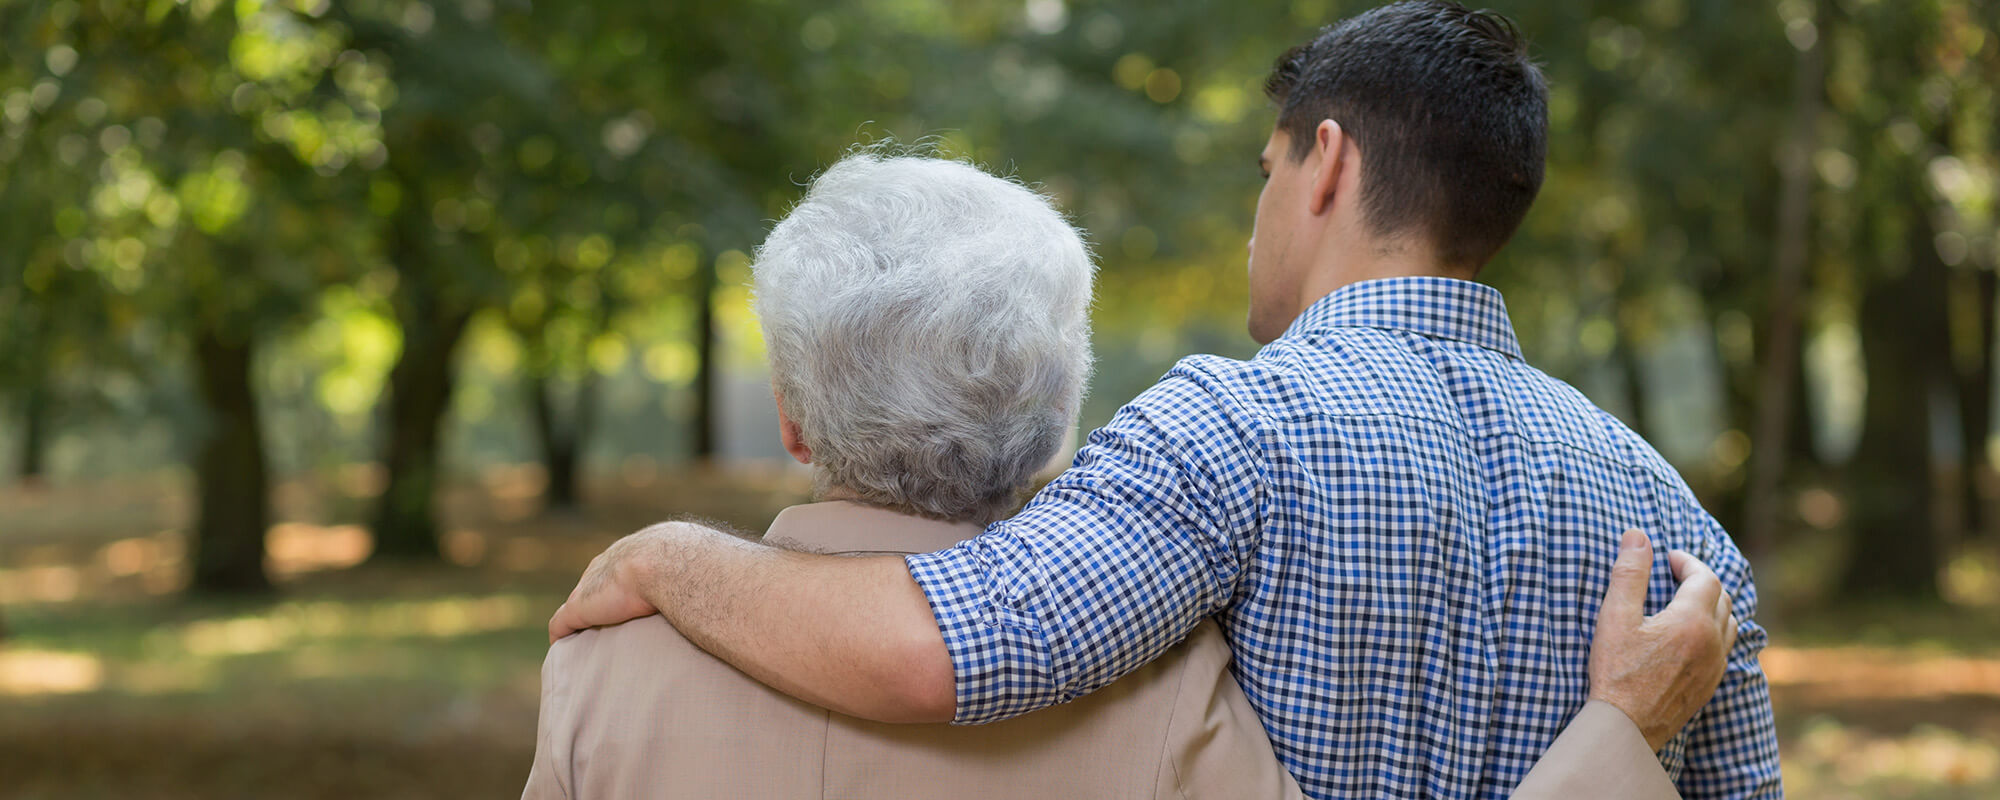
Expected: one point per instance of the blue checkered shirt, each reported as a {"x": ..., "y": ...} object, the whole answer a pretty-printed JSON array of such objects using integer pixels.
[{"x": 1405, "y": 531}]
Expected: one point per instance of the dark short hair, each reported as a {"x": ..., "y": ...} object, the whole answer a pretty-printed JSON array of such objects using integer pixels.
[{"x": 1449, "y": 113}]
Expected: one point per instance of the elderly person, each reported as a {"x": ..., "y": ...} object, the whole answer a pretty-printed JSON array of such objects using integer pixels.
[{"x": 928, "y": 336}]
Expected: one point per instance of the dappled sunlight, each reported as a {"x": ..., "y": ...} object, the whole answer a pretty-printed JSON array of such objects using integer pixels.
[
  {"x": 514, "y": 481},
  {"x": 155, "y": 560},
  {"x": 128, "y": 540},
  {"x": 47, "y": 584},
  {"x": 1895, "y": 717},
  {"x": 1829, "y": 759},
  {"x": 1973, "y": 578},
  {"x": 1887, "y": 721},
  {"x": 129, "y": 557},
  {"x": 295, "y": 547},
  {"x": 289, "y": 624},
  {"x": 166, "y": 676},
  {"x": 1857, "y": 672},
  {"x": 464, "y": 547},
  {"x": 514, "y": 490},
  {"x": 236, "y": 637},
  {"x": 55, "y": 514},
  {"x": 320, "y": 640},
  {"x": 35, "y": 672}
]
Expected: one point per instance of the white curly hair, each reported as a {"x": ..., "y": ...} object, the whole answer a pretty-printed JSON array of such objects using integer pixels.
[{"x": 928, "y": 330}]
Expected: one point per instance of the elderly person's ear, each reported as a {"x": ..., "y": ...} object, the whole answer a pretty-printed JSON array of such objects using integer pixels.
[{"x": 789, "y": 433}]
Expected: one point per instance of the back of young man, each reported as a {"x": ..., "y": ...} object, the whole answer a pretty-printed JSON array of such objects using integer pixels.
[
  {"x": 1402, "y": 527},
  {"x": 1400, "y": 522}
]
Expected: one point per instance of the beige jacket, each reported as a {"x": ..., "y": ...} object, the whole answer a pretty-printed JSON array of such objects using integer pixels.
[{"x": 635, "y": 710}]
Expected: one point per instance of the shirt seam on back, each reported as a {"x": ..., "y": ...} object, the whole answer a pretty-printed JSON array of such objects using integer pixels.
[{"x": 1167, "y": 733}]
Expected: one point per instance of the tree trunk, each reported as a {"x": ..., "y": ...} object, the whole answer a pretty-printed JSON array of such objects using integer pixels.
[
  {"x": 562, "y": 446},
  {"x": 35, "y": 402},
  {"x": 705, "y": 371},
  {"x": 1804, "y": 451},
  {"x": 1763, "y": 497},
  {"x": 1905, "y": 342},
  {"x": 34, "y": 431},
  {"x": 1721, "y": 492},
  {"x": 232, "y": 488},
  {"x": 1632, "y": 369},
  {"x": 420, "y": 387},
  {"x": 1975, "y": 408}
]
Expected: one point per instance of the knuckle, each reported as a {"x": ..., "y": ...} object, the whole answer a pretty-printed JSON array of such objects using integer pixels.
[{"x": 1695, "y": 638}]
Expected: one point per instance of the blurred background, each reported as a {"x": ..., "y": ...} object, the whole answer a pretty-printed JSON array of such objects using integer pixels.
[{"x": 336, "y": 337}]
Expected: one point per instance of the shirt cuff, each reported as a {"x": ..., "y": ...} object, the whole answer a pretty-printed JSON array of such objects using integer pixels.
[
  {"x": 999, "y": 652},
  {"x": 1599, "y": 754}
]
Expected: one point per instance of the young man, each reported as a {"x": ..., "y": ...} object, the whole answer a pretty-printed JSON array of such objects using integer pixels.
[{"x": 1402, "y": 528}]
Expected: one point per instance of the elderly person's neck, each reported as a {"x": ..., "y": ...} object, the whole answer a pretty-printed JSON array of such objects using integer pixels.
[
  {"x": 973, "y": 501},
  {"x": 834, "y": 493}
]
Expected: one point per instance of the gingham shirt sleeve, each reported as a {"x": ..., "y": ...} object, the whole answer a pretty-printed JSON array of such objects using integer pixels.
[
  {"x": 1114, "y": 562},
  {"x": 1731, "y": 747}
]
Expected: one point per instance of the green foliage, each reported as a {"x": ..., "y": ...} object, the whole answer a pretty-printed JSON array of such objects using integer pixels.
[{"x": 587, "y": 176}]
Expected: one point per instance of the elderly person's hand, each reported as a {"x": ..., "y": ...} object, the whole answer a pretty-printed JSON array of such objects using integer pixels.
[
  {"x": 1661, "y": 669},
  {"x": 606, "y": 594}
]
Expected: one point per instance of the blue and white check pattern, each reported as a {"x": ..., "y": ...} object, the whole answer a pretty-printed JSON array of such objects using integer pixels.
[{"x": 1404, "y": 529}]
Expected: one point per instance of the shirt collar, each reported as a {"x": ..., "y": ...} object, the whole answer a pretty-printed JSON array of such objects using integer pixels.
[
  {"x": 840, "y": 526},
  {"x": 1440, "y": 308}
]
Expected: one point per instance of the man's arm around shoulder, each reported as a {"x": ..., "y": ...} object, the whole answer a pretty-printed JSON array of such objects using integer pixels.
[{"x": 851, "y": 634}]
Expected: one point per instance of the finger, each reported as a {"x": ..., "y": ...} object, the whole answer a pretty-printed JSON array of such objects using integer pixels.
[
  {"x": 560, "y": 625},
  {"x": 1699, "y": 586},
  {"x": 1734, "y": 628},
  {"x": 1625, "y": 597},
  {"x": 1684, "y": 564}
]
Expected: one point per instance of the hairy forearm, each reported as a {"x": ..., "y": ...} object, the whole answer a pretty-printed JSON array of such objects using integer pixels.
[{"x": 852, "y": 634}]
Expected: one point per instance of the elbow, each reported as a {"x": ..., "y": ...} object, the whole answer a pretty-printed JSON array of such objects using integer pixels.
[
  {"x": 915, "y": 684},
  {"x": 933, "y": 693},
  {"x": 910, "y": 666}
]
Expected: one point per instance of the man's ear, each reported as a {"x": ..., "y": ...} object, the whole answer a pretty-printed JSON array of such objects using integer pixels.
[
  {"x": 1330, "y": 145},
  {"x": 789, "y": 433}
]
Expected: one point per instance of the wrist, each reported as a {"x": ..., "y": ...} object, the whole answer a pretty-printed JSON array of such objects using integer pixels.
[
  {"x": 1656, "y": 737},
  {"x": 643, "y": 557}
]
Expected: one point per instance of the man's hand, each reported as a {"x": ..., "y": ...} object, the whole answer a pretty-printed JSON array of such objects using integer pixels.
[
  {"x": 1660, "y": 670},
  {"x": 850, "y": 633},
  {"x": 601, "y": 597}
]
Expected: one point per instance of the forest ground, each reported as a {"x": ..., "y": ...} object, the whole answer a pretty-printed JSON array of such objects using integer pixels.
[{"x": 409, "y": 682}]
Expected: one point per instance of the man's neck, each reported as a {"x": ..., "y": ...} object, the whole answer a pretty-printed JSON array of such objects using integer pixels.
[{"x": 1375, "y": 262}]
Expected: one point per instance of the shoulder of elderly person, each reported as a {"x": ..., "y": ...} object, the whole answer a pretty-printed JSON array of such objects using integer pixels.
[{"x": 635, "y": 705}]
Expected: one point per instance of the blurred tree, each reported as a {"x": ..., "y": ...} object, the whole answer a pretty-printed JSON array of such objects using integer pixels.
[
  {"x": 199, "y": 143},
  {"x": 183, "y": 180},
  {"x": 1905, "y": 342},
  {"x": 1770, "y": 440},
  {"x": 257, "y": 134},
  {"x": 43, "y": 150},
  {"x": 1905, "y": 53},
  {"x": 482, "y": 145},
  {"x": 1970, "y": 59}
]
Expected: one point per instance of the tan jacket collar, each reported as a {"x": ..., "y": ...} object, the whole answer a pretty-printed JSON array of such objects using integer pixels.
[{"x": 841, "y": 526}]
